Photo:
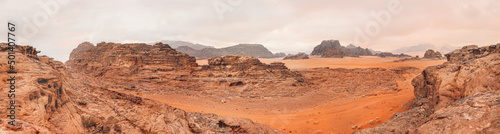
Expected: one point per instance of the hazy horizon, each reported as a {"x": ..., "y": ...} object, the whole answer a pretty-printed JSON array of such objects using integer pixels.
[{"x": 290, "y": 27}]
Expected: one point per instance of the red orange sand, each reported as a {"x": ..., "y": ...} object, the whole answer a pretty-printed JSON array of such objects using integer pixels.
[{"x": 313, "y": 112}]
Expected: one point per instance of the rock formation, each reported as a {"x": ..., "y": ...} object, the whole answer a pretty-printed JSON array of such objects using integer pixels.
[
  {"x": 53, "y": 99},
  {"x": 245, "y": 66},
  {"x": 102, "y": 58},
  {"x": 333, "y": 49},
  {"x": 299, "y": 56},
  {"x": 387, "y": 54},
  {"x": 430, "y": 54},
  {"x": 471, "y": 52},
  {"x": 459, "y": 96},
  {"x": 407, "y": 59},
  {"x": 254, "y": 50},
  {"x": 279, "y": 55},
  {"x": 29, "y": 51}
]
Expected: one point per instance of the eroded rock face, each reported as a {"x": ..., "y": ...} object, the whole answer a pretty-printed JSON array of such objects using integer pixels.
[
  {"x": 478, "y": 113},
  {"x": 245, "y": 66},
  {"x": 102, "y": 58},
  {"x": 430, "y": 54},
  {"x": 459, "y": 96},
  {"x": 443, "y": 84},
  {"x": 299, "y": 56},
  {"x": 52, "y": 99}
]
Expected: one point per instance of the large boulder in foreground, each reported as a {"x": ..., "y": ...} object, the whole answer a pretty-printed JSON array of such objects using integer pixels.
[{"x": 459, "y": 96}]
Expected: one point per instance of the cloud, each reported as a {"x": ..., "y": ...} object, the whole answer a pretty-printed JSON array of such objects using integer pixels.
[{"x": 282, "y": 26}]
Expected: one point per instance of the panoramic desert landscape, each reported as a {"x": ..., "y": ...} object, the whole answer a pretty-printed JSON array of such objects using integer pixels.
[
  {"x": 250, "y": 67},
  {"x": 140, "y": 88}
]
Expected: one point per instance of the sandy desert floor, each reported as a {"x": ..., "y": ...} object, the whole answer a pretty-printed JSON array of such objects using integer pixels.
[{"x": 313, "y": 112}]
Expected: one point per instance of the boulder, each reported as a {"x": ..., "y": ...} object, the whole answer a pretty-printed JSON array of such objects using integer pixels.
[
  {"x": 430, "y": 54},
  {"x": 459, "y": 96},
  {"x": 299, "y": 56}
]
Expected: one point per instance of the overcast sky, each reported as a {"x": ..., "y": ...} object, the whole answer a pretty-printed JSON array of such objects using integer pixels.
[{"x": 281, "y": 25}]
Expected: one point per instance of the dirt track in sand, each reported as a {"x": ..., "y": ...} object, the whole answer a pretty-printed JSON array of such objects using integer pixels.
[{"x": 313, "y": 112}]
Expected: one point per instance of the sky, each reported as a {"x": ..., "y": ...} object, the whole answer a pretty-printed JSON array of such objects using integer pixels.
[{"x": 56, "y": 27}]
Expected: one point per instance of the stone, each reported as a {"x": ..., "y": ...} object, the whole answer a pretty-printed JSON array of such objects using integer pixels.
[
  {"x": 105, "y": 58},
  {"x": 299, "y": 56},
  {"x": 430, "y": 54},
  {"x": 333, "y": 49}
]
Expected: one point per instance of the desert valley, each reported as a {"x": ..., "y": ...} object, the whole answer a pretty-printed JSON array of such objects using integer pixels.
[{"x": 155, "y": 88}]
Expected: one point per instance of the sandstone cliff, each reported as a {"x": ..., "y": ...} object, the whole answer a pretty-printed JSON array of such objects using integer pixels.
[
  {"x": 245, "y": 66},
  {"x": 101, "y": 59},
  {"x": 54, "y": 99},
  {"x": 459, "y": 96}
]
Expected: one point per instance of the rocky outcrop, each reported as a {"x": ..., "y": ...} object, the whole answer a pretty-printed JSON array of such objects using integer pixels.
[
  {"x": 299, "y": 56},
  {"x": 279, "y": 55},
  {"x": 333, "y": 49},
  {"x": 177, "y": 44},
  {"x": 245, "y": 66},
  {"x": 29, "y": 51},
  {"x": 471, "y": 52},
  {"x": 101, "y": 59},
  {"x": 387, "y": 54},
  {"x": 51, "y": 99},
  {"x": 407, "y": 59},
  {"x": 459, "y": 96},
  {"x": 430, "y": 54},
  {"x": 254, "y": 50},
  {"x": 474, "y": 114}
]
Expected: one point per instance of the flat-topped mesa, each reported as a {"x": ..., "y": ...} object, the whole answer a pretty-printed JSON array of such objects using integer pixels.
[
  {"x": 92, "y": 58},
  {"x": 245, "y": 66},
  {"x": 472, "y": 52}
]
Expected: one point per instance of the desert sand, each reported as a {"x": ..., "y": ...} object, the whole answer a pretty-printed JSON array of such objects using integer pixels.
[{"x": 317, "y": 111}]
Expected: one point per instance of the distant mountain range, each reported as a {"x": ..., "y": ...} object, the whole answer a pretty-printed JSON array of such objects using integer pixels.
[
  {"x": 177, "y": 44},
  {"x": 421, "y": 48},
  {"x": 328, "y": 48}
]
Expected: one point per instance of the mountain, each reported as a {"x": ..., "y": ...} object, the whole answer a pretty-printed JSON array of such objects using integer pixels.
[
  {"x": 422, "y": 48},
  {"x": 416, "y": 48},
  {"x": 254, "y": 50},
  {"x": 177, "y": 44}
]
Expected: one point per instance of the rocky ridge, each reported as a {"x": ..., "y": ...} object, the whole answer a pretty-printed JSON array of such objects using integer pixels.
[
  {"x": 333, "y": 49},
  {"x": 56, "y": 99},
  {"x": 126, "y": 59},
  {"x": 254, "y": 50},
  {"x": 299, "y": 56},
  {"x": 459, "y": 96},
  {"x": 430, "y": 54}
]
